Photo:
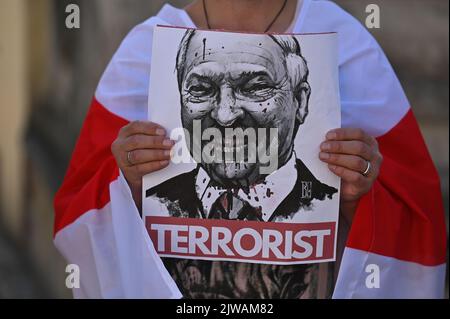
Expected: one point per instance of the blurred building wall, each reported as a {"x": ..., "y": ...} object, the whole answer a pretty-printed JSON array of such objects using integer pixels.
[
  {"x": 48, "y": 75},
  {"x": 13, "y": 110}
]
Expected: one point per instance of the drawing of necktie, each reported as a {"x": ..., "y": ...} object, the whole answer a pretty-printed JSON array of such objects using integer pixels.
[{"x": 229, "y": 206}]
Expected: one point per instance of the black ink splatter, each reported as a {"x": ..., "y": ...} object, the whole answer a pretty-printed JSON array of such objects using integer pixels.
[{"x": 204, "y": 47}]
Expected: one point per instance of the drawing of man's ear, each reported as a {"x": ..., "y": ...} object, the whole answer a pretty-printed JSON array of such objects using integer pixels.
[{"x": 302, "y": 93}]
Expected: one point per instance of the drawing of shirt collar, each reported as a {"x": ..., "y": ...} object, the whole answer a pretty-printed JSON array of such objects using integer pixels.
[{"x": 268, "y": 195}]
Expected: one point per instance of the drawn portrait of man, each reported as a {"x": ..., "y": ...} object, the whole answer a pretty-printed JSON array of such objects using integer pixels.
[
  {"x": 262, "y": 84},
  {"x": 259, "y": 83}
]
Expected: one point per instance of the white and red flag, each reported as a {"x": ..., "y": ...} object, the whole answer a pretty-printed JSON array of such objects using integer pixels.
[{"x": 399, "y": 225}]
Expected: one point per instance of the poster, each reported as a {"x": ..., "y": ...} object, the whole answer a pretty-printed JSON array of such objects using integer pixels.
[{"x": 248, "y": 113}]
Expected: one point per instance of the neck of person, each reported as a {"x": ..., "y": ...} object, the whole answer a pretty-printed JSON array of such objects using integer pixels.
[{"x": 243, "y": 15}]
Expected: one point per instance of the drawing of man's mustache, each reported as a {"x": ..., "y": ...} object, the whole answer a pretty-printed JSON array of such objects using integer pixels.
[
  {"x": 234, "y": 143},
  {"x": 242, "y": 142}
]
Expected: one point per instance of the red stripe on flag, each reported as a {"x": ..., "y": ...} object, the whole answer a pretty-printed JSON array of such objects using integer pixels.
[
  {"x": 403, "y": 216},
  {"x": 91, "y": 169}
]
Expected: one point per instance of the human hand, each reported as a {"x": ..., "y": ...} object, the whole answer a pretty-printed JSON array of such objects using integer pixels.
[
  {"x": 141, "y": 147},
  {"x": 352, "y": 155}
]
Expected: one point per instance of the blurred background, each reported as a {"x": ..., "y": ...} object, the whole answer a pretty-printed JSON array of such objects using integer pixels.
[{"x": 48, "y": 75}]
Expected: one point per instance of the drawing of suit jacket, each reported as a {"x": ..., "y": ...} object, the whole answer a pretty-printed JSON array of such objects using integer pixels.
[{"x": 225, "y": 279}]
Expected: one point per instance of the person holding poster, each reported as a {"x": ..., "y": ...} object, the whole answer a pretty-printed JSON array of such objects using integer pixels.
[
  {"x": 390, "y": 205},
  {"x": 250, "y": 109}
]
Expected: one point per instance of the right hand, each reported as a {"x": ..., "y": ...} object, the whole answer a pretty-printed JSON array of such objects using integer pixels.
[{"x": 140, "y": 148}]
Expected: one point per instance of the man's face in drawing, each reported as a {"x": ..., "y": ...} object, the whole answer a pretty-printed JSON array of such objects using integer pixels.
[{"x": 228, "y": 84}]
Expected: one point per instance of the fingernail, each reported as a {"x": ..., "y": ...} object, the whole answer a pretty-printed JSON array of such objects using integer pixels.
[
  {"x": 326, "y": 146},
  {"x": 164, "y": 163},
  {"x": 160, "y": 132},
  {"x": 331, "y": 136},
  {"x": 332, "y": 167},
  {"x": 168, "y": 143},
  {"x": 324, "y": 155},
  {"x": 166, "y": 153}
]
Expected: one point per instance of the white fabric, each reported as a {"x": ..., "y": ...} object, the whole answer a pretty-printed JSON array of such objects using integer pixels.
[
  {"x": 117, "y": 258},
  {"x": 397, "y": 279}
]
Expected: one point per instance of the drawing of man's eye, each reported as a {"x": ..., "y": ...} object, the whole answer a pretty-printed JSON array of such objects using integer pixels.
[
  {"x": 258, "y": 87},
  {"x": 201, "y": 89}
]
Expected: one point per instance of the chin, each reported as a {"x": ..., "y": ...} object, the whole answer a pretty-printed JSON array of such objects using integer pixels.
[{"x": 233, "y": 175}]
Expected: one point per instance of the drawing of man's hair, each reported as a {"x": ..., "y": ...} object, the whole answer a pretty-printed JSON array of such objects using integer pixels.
[
  {"x": 295, "y": 63},
  {"x": 181, "y": 55}
]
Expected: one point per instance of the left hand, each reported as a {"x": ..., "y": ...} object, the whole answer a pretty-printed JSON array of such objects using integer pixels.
[{"x": 347, "y": 151}]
